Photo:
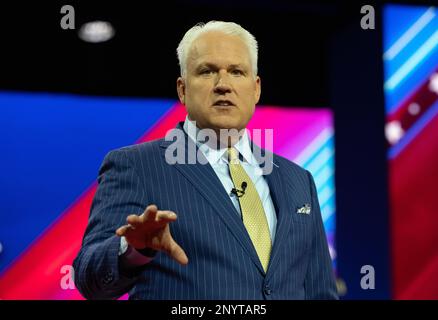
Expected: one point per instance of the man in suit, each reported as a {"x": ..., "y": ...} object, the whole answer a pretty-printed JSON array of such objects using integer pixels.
[{"x": 229, "y": 221}]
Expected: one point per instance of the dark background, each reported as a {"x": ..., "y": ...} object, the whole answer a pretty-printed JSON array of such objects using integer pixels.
[{"x": 141, "y": 59}]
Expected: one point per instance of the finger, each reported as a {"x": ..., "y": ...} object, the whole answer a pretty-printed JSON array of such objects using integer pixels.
[
  {"x": 150, "y": 213},
  {"x": 133, "y": 220},
  {"x": 165, "y": 216},
  {"x": 122, "y": 230},
  {"x": 176, "y": 252}
]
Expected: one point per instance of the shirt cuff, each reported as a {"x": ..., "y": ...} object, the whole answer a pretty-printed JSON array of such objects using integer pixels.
[{"x": 131, "y": 257}]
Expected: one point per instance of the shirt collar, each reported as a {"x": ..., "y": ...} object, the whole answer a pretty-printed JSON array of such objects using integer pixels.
[{"x": 215, "y": 156}]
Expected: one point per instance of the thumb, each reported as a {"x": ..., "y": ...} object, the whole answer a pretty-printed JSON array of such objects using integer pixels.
[{"x": 175, "y": 251}]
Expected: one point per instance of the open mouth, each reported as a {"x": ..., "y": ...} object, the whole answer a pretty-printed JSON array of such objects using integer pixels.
[{"x": 223, "y": 103}]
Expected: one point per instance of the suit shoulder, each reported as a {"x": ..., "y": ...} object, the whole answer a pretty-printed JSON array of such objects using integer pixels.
[
  {"x": 133, "y": 155},
  {"x": 141, "y": 148}
]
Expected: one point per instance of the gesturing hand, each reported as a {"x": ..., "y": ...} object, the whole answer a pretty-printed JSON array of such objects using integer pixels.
[{"x": 151, "y": 230}]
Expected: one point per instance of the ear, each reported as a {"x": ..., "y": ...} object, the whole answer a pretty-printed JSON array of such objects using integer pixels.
[
  {"x": 258, "y": 89},
  {"x": 181, "y": 89}
]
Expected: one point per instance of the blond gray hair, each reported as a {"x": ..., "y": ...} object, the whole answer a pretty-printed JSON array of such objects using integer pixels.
[{"x": 229, "y": 28}]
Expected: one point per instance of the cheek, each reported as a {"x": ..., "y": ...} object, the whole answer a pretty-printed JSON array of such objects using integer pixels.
[
  {"x": 199, "y": 92},
  {"x": 250, "y": 95},
  {"x": 251, "y": 110}
]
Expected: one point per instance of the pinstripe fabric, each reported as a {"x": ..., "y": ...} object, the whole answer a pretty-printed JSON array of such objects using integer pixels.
[{"x": 223, "y": 263}]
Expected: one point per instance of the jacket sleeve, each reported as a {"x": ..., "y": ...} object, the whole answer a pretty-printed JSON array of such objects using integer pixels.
[
  {"x": 98, "y": 274},
  {"x": 319, "y": 282}
]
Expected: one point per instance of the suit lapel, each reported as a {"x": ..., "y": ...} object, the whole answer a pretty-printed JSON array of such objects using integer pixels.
[{"x": 205, "y": 180}]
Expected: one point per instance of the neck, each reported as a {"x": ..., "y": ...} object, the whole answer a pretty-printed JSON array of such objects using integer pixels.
[
  {"x": 216, "y": 138},
  {"x": 227, "y": 138}
]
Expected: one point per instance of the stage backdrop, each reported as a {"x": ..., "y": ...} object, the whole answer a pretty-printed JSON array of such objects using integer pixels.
[
  {"x": 52, "y": 146},
  {"x": 411, "y": 93}
]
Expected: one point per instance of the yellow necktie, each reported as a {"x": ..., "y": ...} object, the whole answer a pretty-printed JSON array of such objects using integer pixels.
[{"x": 254, "y": 217}]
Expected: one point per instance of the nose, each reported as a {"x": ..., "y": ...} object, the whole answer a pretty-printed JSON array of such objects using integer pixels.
[{"x": 222, "y": 85}]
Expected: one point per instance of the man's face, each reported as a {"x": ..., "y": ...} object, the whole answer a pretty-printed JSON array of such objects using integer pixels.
[{"x": 219, "y": 90}]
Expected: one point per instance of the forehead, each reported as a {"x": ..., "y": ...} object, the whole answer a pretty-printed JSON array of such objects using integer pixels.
[{"x": 218, "y": 48}]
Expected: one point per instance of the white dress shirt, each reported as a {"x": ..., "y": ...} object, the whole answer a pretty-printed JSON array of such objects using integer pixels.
[{"x": 218, "y": 160}]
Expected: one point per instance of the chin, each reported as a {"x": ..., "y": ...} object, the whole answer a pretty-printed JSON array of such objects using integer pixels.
[
  {"x": 227, "y": 125},
  {"x": 226, "y": 122}
]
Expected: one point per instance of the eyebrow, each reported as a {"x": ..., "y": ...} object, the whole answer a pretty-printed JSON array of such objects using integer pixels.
[{"x": 214, "y": 66}]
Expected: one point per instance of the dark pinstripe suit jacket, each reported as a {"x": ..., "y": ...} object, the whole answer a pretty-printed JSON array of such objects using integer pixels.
[{"x": 223, "y": 263}]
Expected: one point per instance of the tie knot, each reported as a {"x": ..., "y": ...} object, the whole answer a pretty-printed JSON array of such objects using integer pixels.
[{"x": 233, "y": 155}]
